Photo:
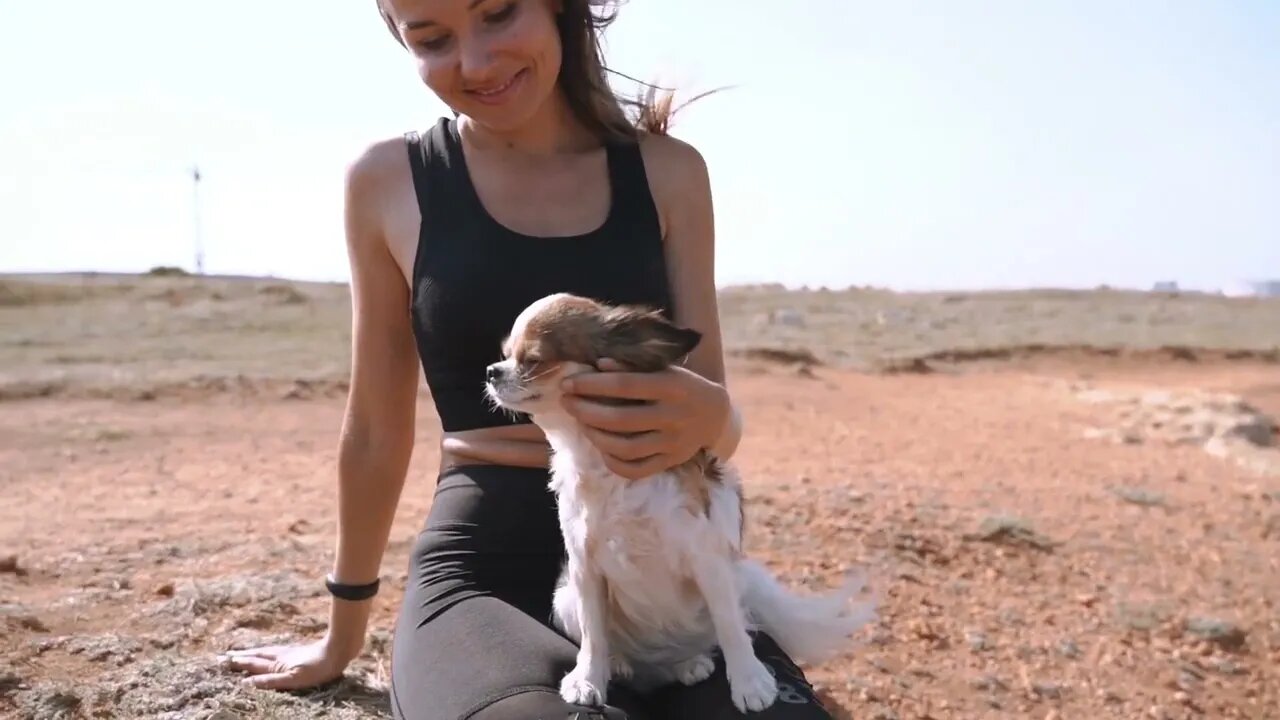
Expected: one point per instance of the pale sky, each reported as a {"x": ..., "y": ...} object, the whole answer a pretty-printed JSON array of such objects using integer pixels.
[{"x": 899, "y": 143}]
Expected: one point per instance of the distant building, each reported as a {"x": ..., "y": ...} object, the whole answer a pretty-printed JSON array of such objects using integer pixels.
[
  {"x": 1255, "y": 288},
  {"x": 1165, "y": 286}
]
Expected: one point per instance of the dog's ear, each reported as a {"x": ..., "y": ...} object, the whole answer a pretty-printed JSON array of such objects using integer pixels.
[{"x": 643, "y": 340}]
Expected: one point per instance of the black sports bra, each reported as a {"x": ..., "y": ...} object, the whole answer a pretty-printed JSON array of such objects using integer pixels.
[{"x": 472, "y": 275}]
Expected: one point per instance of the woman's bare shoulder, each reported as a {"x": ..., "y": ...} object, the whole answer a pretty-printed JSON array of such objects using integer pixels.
[
  {"x": 379, "y": 198},
  {"x": 671, "y": 161},
  {"x": 678, "y": 179},
  {"x": 377, "y": 167}
]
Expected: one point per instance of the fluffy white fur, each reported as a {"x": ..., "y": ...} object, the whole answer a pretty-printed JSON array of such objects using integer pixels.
[{"x": 652, "y": 586}]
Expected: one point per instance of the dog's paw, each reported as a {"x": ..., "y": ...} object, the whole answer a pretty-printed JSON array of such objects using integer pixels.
[
  {"x": 695, "y": 669},
  {"x": 620, "y": 668},
  {"x": 753, "y": 687},
  {"x": 578, "y": 688}
]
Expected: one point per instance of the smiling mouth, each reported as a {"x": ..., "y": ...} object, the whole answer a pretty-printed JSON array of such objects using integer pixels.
[{"x": 499, "y": 93}]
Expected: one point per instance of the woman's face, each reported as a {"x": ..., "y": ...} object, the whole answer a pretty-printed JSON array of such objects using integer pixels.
[{"x": 495, "y": 61}]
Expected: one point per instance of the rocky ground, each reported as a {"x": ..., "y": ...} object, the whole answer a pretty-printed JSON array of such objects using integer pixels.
[{"x": 1052, "y": 535}]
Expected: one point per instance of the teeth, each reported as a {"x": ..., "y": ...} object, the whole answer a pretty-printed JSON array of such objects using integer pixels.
[{"x": 499, "y": 89}]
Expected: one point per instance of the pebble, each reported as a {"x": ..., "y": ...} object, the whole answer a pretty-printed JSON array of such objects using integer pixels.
[
  {"x": 977, "y": 640},
  {"x": 1068, "y": 649},
  {"x": 9, "y": 564},
  {"x": 1223, "y": 633},
  {"x": 1047, "y": 690},
  {"x": 988, "y": 683}
]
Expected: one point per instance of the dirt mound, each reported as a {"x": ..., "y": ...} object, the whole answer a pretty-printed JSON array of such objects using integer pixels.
[
  {"x": 1221, "y": 423},
  {"x": 779, "y": 355},
  {"x": 1180, "y": 353},
  {"x": 190, "y": 389}
]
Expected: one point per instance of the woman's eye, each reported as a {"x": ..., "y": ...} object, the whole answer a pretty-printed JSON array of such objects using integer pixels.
[
  {"x": 434, "y": 44},
  {"x": 502, "y": 15}
]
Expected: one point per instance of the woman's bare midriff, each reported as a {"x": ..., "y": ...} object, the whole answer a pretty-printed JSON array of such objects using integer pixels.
[{"x": 520, "y": 445}]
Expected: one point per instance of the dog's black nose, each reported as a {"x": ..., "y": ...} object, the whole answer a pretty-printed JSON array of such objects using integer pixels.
[{"x": 492, "y": 373}]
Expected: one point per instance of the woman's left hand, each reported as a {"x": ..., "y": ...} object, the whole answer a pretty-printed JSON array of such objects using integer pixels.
[{"x": 682, "y": 413}]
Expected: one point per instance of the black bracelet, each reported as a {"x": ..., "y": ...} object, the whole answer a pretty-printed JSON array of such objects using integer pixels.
[{"x": 351, "y": 592}]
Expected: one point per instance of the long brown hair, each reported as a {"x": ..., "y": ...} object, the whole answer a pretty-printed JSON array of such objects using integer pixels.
[{"x": 584, "y": 77}]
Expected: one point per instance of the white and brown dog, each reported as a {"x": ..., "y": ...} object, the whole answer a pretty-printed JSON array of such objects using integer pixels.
[{"x": 656, "y": 578}]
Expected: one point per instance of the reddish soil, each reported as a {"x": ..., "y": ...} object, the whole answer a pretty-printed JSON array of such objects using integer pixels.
[{"x": 1026, "y": 570}]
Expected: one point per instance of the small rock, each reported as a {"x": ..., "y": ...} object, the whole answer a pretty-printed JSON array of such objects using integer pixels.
[
  {"x": 1255, "y": 429},
  {"x": 163, "y": 642},
  {"x": 881, "y": 637},
  {"x": 9, "y": 564},
  {"x": 988, "y": 683},
  {"x": 1191, "y": 671},
  {"x": 1227, "y": 666},
  {"x": 977, "y": 640},
  {"x": 1271, "y": 529},
  {"x": 884, "y": 712},
  {"x": 1186, "y": 682},
  {"x": 57, "y": 704},
  {"x": 1047, "y": 690},
  {"x": 1006, "y": 530},
  {"x": 1223, "y": 633},
  {"x": 164, "y": 589},
  {"x": 1068, "y": 649},
  {"x": 1110, "y": 697},
  {"x": 880, "y": 665},
  {"x": 1009, "y": 616},
  {"x": 1139, "y": 496},
  {"x": 32, "y": 623}
]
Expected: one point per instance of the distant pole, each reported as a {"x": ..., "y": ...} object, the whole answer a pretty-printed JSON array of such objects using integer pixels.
[{"x": 195, "y": 195}]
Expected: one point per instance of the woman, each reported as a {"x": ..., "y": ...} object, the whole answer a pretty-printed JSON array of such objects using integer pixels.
[{"x": 539, "y": 184}]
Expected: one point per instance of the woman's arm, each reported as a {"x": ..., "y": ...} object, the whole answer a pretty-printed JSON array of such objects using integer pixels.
[
  {"x": 378, "y": 428},
  {"x": 690, "y": 407},
  {"x": 682, "y": 191}
]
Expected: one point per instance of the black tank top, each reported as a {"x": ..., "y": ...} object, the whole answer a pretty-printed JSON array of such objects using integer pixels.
[{"x": 472, "y": 275}]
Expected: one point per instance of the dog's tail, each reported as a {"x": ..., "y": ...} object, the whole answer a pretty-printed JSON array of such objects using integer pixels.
[{"x": 809, "y": 628}]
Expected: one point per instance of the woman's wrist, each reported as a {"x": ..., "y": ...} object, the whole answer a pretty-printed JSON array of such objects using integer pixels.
[
  {"x": 725, "y": 440},
  {"x": 348, "y": 621}
]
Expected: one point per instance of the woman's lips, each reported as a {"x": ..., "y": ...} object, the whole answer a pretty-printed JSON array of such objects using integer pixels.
[{"x": 501, "y": 93}]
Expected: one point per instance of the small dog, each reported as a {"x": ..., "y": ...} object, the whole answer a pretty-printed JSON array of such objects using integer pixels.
[{"x": 655, "y": 578}]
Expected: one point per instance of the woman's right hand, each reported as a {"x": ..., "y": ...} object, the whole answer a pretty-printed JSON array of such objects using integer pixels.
[{"x": 288, "y": 667}]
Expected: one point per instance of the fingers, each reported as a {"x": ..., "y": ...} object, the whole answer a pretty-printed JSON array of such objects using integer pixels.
[
  {"x": 627, "y": 447},
  {"x": 610, "y": 365},
  {"x": 641, "y": 468},
  {"x": 271, "y": 651},
  {"x": 251, "y": 663},
  {"x": 612, "y": 383},
  {"x": 266, "y": 673},
  {"x": 618, "y": 418},
  {"x": 275, "y": 681}
]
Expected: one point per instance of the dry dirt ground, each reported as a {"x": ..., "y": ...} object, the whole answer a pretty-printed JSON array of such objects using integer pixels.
[{"x": 1080, "y": 533}]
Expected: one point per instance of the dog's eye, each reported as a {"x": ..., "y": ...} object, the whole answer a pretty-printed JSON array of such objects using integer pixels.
[{"x": 532, "y": 368}]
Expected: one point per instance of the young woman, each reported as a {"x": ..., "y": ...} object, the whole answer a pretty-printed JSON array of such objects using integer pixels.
[{"x": 540, "y": 183}]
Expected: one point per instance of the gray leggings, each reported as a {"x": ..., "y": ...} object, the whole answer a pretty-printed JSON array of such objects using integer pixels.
[{"x": 474, "y": 640}]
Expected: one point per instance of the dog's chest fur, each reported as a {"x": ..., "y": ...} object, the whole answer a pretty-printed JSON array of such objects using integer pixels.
[{"x": 641, "y": 536}]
